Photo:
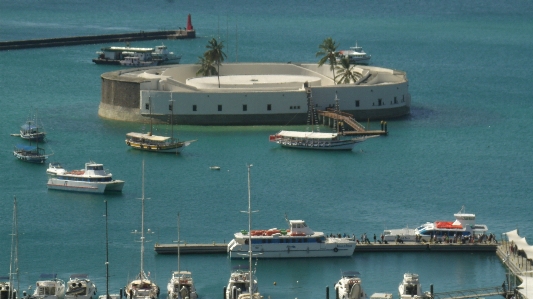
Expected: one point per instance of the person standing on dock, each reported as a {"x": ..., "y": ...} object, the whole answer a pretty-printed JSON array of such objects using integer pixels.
[{"x": 374, "y": 238}]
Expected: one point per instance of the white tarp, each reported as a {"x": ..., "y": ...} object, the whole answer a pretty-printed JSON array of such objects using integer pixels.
[
  {"x": 526, "y": 288},
  {"x": 521, "y": 243}
]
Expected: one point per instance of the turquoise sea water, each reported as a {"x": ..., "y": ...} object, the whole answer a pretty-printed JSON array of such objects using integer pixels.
[{"x": 467, "y": 142}]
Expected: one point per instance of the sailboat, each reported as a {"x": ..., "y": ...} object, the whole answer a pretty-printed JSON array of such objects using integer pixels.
[
  {"x": 242, "y": 282},
  {"x": 142, "y": 287},
  {"x": 315, "y": 140},
  {"x": 8, "y": 289},
  {"x": 32, "y": 131},
  {"x": 154, "y": 143},
  {"x": 181, "y": 284},
  {"x": 107, "y": 295}
]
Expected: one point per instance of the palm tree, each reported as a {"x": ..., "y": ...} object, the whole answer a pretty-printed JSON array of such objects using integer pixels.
[
  {"x": 215, "y": 54},
  {"x": 206, "y": 66},
  {"x": 328, "y": 52},
  {"x": 345, "y": 73}
]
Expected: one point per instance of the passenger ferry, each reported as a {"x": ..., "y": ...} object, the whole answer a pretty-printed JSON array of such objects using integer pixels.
[
  {"x": 463, "y": 226},
  {"x": 296, "y": 242},
  {"x": 92, "y": 179}
]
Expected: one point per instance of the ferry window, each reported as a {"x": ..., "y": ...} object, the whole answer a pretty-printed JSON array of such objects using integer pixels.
[
  {"x": 357, "y": 103},
  {"x": 219, "y": 107},
  {"x": 193, "y": 107},
  {"x": 244, "y": 107},
  {"x": 147, "y": 106},
  {"x": 269, "y": 107}
]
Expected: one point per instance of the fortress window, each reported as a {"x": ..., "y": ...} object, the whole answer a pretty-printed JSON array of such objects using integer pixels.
[
  {"x": 147, "y": 106},
  {"x": 244, "y": 107},
  {"x": 356, "y": 103},
  {"x": 193, "y": 107},
  {"x": 395, "y": 100},
  {"x": 269, "y": 107},
  {"x": 380, "y": 102},
  {"x": 219, "y": 107}
]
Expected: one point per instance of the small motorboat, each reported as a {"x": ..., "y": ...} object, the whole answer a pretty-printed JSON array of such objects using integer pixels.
[{"x": 214, "y": 167}]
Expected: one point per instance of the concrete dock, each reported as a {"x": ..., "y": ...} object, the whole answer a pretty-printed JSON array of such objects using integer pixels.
[
  {"x": 97, "y": 39},
  {"x": 373, "y": 247}
]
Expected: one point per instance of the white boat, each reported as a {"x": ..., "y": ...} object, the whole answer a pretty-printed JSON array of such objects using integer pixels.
[
  {"x": 154, "y": 143},
  {"x": 30, "y": 153},
  {"x": 463, "y": 228},
  {"x": 137, "y": 61},
  {"x": 410, "y": 287},
  {"x": 295, "y": 242},
  {"x": 92, "y": 179},
  {"x": 162, "y": 54},
  {"x": 142, "y": 287},
  {"x": 181, "y": 284},
  {"x": 242, "y": 282},
  {"x": 7, "y": 290},
  {"x": 355, "y": 55},
  {"x": 349, "y": 286},
  {"x": 31, "y": 131},
  {"x": 80, "y": 286},
  {"x": 315, "y": 140},
  {"x": 49, "y": 287}
]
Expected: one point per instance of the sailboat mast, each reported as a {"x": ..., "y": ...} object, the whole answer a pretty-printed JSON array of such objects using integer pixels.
[
  {"x": 171, "y": 116},
  {"x": 142, "y": 228},
  {"x": 150, "y": 107},
  {"x": 178, "y": 243},
  {"x": 13, "y": 267},
  {"x": 250, "y": 235},
  {"x": 106, "y": 255}
]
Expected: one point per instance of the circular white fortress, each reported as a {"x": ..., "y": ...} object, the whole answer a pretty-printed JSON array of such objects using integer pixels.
[{"x": 249, "y": 94}]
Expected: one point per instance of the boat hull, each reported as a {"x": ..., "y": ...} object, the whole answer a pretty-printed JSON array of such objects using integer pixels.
[
  {"x": 87, "y": 187},
  {"x": 172, "y": 148},
  {"x": 30, "y": 158},
  {"x": 106, "y": 61},
  {"x": 343, "y": 145},
  {"x": 292, "y": 250}
]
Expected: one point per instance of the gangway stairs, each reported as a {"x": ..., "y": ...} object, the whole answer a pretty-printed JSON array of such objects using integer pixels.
[{"x": 475, "y": 293}]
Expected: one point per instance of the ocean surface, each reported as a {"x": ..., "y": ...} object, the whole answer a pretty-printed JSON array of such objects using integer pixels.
[{"x": 467, "y": 142}]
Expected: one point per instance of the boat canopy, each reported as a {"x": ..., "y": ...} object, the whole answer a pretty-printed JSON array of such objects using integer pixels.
[
  {"x": 308, "y": 135},
  {"x": 27, "y": 148},
  {"x": 79, "y": 276},
  {"x": 121, "y": 49},
  {"x": 147, "y": 137},
  {"x": 29, "y": 127}
]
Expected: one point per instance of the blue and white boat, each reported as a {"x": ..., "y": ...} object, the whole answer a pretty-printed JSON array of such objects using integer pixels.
[
  {"x": 464, "y": 226},
  {"x": 355, "y": 55},
  {"x": 30, "y": 153},
  {"x": 31, "y": 131}
]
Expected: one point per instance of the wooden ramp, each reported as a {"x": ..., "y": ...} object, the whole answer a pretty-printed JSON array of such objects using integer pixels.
[{"x": 329, "y": 116}]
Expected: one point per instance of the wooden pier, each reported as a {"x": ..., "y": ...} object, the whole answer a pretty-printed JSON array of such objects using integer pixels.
[
  {"x": 373, "y": 247},
  {"x": 330, "y": 116}
]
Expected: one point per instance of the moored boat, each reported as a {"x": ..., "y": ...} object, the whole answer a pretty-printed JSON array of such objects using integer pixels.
[
  {"x": 142, "y": 286},
  {"x": 312, "y": 139},
  {"x": 30, "y": 153},
  {"x": 242, "y": 282},
  {"x": 92, "y": 179},
  {"x": 295, "y": 242},
  {"x": 355, "y": 55},
  {"x": 145, "y": 56},
  {"x": 31, "y": 131},
  {"x": 181, "y": 284},
  {"x": 161, "y": 53},
  {"x": 49, "y": 287},
  {"x": 349, "y": 286},
  {"x": 154, "y": 143},
  {"x": 410, "y": 287},
  {"x": 80, "y": 286},
  {"x": 463, "y": 228}
]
